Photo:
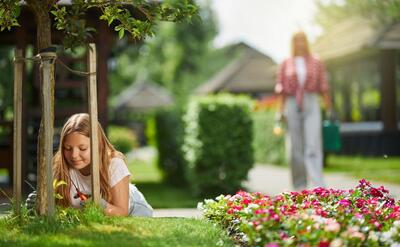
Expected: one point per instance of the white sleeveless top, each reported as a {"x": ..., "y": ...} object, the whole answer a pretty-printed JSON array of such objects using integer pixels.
[
  {"x": 117, "y": 171},
  {"x": 301, "y": 69}
]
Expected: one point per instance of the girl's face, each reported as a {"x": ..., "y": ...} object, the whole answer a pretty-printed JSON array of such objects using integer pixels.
[
  {"x": 76, "y": 151},
  {"x": 300, "y": 44}
]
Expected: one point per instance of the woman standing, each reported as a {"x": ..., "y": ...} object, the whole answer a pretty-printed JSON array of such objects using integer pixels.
[{"x": 301, "y": 79}]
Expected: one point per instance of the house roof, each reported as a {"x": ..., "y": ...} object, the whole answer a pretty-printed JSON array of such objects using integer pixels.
[
  {"x": 251, "y": 72},
  {"x": 144, "y": 95},
  {"x": 354, "y": 35}
]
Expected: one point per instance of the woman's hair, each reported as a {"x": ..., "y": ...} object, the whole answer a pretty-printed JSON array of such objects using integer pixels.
[
  {"x": 300, "y": 35},
  {"x": 79, "y": 123}
]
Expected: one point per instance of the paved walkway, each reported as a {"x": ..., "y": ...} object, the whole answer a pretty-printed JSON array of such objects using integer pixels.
[{"x": 273, "y": 180}]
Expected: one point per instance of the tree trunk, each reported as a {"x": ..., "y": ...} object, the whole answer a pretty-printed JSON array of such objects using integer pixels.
[{"x": 43, "y": 23}]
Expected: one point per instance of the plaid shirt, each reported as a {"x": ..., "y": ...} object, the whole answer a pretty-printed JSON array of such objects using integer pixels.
[{"x": 316, "y": 79}]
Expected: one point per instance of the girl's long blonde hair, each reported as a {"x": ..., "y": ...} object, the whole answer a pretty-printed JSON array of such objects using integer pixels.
[
  {"x": 79, "y": 123},
  {"x": 302, "y": 35}
]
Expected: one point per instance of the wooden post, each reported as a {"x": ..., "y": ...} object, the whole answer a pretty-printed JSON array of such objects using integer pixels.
[
  {"x": 18, "y": 70},
  {"x": 47, "y": 67},
  {"x": 388, "y": 90},
  {"x": 94, "y": 140}
]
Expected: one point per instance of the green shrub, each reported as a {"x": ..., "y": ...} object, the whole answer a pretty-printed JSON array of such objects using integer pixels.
[
  {"x": 150, "y": 131},
  {"x": 169, "y": 142},
  {"x": 218, "y": 143},
  {"x": 123, "y": 138},
  {"x": 268, "y": 148}
]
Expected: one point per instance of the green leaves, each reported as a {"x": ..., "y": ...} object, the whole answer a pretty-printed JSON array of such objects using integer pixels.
[
  {"x": 9, "y": 12},
  {"x": 71, "y": 21},
  {"x": 140, "y": 27},
  {"x": 56, "y": 184},
  {"x": 136, "y": 17}
]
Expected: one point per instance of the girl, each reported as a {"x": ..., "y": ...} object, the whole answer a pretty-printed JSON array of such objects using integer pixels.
[
  {"x": 301, "y": 79},
  {"x": 72, "y": 164}
]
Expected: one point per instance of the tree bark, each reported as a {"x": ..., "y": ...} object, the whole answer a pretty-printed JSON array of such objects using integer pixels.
[{"x": 41, "y": 10}]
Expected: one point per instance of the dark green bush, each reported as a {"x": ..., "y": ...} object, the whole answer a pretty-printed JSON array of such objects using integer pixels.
[
  {"x": 268, "y": 148},
  {"x": 123, "y": 138},
  {"x": 169, "y": 142},
  {"x": 218, "y": 143}
]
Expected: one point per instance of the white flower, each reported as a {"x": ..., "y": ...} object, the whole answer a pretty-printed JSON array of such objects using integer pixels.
[
  {"x": 253, "y": 206},
  {"x": 208, "y": 201},
  {"x": 220, "y": 197},
  {"x": 374, "y": 236}
]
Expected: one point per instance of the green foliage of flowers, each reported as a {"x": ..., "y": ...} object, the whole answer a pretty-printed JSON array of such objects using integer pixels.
[
  {"x": 363, "y": 216},
  {"x": 217, "y": 143},
  {"x": 123, "y": 139}
]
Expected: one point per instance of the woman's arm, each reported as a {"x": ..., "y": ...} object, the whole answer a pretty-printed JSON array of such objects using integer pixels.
[
  {"x": 281, "y": 104},
  {"x": 120, "y": 199},
  {"x": 327, "y": 101}
]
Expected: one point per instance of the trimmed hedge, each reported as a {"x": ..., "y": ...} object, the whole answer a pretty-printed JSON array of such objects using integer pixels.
[
  {"x": 169, "y": 142},
  {"x": 268, "y": 148},
  {"x": 218, "y": 143},
  {"x": 122, "y": 138}
]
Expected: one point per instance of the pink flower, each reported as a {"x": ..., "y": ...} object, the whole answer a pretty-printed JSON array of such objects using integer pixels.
[
  {"x": 271, "y": 245},
  {"x": 382, "y": 188},
  {"x": 373, "y": 201},
  {"x": 344, "y": 202},
  {"x": 363, "y": 183},
  {"x": 332, "y": 225}
]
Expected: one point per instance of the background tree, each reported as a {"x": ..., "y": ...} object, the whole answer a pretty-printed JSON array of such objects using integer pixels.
[
  {"x": 176, "y": 58},
  {"x": 70, "y": 20},
  {"x": 382, "y": 11}
]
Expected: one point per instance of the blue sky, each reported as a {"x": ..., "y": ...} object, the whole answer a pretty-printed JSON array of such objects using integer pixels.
[{"x": 266, "y": 25}]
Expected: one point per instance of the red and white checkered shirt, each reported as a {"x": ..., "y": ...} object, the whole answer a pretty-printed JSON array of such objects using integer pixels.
[{"x": 316, "y": 79}]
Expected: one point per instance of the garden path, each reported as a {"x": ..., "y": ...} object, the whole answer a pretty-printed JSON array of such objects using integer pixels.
[{"x": 273, "y": 180}]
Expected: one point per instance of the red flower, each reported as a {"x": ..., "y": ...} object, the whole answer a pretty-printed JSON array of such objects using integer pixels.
[
  {"x": 360, "y": 203},
  {"x": 375, "y": 192},
  {"x": 323, "y": 244}
]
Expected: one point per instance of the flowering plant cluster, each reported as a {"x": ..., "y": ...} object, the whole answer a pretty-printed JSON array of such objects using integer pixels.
[{"x": 363, "y": 216}]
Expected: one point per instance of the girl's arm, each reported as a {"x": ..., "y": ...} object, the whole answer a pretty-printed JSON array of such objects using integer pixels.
[{"x": 120, "y": 199}]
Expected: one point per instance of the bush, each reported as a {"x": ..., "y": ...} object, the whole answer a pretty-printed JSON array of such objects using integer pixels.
[
  {"x": 122, "y": 138},
  {"x": 169, "y": 142},
  {"x": 268, "y": 148},
  {"x": 218, "y": 143}
]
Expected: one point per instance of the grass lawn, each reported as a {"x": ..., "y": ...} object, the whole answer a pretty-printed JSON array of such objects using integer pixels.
[
  {"x": 384, "y": 169},
  {"x": 148, "y": 179},
  {"x": 112, "y": 231}
]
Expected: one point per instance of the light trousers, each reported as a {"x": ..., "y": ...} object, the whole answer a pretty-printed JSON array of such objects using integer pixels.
[
  {"x": 138, "y": 205},
  {"x": 304, "y": 141}
]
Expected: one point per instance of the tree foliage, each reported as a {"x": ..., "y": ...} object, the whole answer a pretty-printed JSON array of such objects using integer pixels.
[
  {"x": 70, "y": 19},
  {"x": 380, "y": 11}
]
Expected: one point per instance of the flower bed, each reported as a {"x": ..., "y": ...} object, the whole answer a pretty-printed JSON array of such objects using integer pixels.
[{"x": 363, "y": 216}]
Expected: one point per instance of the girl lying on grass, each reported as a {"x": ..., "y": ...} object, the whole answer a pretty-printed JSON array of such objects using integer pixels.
[{"x": 72, "y": 164}]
